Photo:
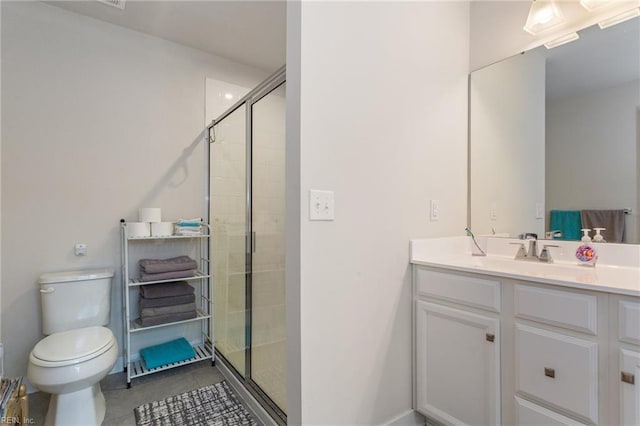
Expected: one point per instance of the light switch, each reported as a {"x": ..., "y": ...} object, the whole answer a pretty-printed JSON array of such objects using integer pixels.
[
  {"x": 321, "y": 205},
  {"x": 539, "y": 210}
]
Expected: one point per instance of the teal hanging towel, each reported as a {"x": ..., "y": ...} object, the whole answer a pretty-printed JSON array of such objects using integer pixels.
[
  {"x": 568, "y": 222},
  {"x": 166, "y": 353}
]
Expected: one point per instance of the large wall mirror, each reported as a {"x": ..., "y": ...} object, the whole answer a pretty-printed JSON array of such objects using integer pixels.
[{"x": 557, "y": 129}]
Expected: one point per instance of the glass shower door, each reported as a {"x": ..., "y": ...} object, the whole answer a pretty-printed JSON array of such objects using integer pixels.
[
  {"x": 228, "y": 219},
  {"x": 247, "y": 212},
  {"x": 268, "y": 326}
]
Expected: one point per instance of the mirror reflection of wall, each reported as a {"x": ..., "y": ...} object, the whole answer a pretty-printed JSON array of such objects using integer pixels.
[
  {"x": 590, "y": 146},
  {"x": 507, "y": 122}
]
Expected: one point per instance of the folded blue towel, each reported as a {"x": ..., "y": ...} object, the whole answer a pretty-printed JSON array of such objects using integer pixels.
[
  {"x": 166, "y": 353},
  {"x": 568, "y": 222},
  {"x": 191, "y": 222}
]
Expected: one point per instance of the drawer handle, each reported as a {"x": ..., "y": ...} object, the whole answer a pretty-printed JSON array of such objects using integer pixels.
[
  {"x": 490, "y": 337},
  {"x": 628, "y": 378},
  {"x": 550, "y": 372}
]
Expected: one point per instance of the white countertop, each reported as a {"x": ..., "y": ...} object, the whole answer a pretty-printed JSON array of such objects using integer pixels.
[{"x": 455, "y": 253}]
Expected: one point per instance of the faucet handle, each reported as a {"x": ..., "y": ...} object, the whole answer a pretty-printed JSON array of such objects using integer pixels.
[
  {"x": 522, "y": 251},
  {"x": 528, "y": 236},
  {"x": 545, "y": 254},
  {"x": 550, "y": 235}
]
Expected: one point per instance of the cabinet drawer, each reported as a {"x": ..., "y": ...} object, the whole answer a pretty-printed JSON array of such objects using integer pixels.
[
  {"x": 629, "y": 320},
  {"x": 561, "y": 370},
  {"x": 530, "y": 414},
  {"x": 476, "y": 292},
  {"x": 566, "y": 309}
]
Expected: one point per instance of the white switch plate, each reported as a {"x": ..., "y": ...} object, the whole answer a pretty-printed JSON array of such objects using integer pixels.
[
  {"x": 539, "y": 210},
  {"x": 434, "y": 210},
  {"x": 321, "y": 205}
]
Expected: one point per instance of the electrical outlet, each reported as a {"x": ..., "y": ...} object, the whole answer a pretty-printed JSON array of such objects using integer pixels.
[
  {"x": 80, "y": 249},
  {"x": 434, "y": 210},
  {"x": 493, "y": 211}
]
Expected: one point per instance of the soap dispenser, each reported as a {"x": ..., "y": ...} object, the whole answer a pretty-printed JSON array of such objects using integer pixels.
[
  {"x": 586, "y": 253},
  {"x": 598, "y": 238}
]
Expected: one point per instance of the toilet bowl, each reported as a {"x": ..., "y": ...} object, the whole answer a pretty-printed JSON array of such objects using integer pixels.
[
  {"x": 79, "y": 350},
  {"x": 69, "y": 365}
]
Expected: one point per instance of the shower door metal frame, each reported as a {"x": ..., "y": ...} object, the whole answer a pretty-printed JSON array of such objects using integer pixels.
[{"x": 251, "y": 98}]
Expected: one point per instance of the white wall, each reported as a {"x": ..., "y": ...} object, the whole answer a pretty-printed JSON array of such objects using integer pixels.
[
  {"x": 496, "y": 27},
  {"x": 383, "y": 123},
  {"x": 97, "y": 122},
  {"x": 507, "y": 140},
  {"x": 592, "y": 152}
]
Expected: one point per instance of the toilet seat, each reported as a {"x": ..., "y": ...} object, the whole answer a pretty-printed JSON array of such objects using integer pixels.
[{"x": 72, "y": 347}]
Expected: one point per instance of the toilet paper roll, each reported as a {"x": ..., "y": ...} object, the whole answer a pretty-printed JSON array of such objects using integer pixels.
[
  {"x": 138, "y": 229},
  {"x": 161, "y": 229},
  {"x": 149, "y": 214}
]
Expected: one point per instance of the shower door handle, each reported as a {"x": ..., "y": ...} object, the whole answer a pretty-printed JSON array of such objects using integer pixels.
[{"x": 253, "y": 241}]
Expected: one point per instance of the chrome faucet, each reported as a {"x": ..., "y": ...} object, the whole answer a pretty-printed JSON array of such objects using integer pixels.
[
  {"x": 550, "y": 235},
  {"x": 532, "y": 253}
]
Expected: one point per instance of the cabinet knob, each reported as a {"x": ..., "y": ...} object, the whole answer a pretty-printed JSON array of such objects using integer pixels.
[
  {"x": 490, "y": 337},
  {"x": 550, "y": 372},
  {"x": 627, "y": 377}
]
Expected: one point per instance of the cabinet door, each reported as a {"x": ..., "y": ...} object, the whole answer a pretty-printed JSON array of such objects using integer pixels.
[
  {"x": 457, "y": 365},
  {"x": 629, "y": 388},
  {"x": 558, "y": 369}
]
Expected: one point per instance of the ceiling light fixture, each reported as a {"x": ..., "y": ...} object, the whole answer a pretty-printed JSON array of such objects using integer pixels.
[
  {"x": 561, "y": 40},
  {"x": 624, "y": 16},
  {"x": 543, "y": 15},
  {"x": 115, "y": 3},
  {"x": 592, "y": 5}
]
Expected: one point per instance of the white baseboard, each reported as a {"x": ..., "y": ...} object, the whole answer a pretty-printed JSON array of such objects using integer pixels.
[{"x": 408, "y": 418}]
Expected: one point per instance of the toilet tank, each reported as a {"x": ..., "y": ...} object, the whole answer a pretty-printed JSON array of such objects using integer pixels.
[{"x": 75, "y": 299}]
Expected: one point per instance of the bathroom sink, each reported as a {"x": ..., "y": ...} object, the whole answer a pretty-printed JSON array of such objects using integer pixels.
[{"x": 617, "y": 269}]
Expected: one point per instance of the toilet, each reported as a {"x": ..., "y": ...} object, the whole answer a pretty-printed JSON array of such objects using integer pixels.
[{"x": 78, "y": 351}]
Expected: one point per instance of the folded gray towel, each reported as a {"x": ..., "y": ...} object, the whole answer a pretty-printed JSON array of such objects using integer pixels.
[
  {"x": 163, "y": 319},
  {"x": 175, "y": 288},
  {"x": 166, "y": 275},
  {"x": 613, "y": 220},
  {"x": 157, "y": 266},
  {"x": 143, "y": 302},
  {"x": 163, "y": 310}
]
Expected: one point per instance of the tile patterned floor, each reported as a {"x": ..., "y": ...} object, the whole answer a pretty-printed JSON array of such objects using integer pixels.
[{"x": 121, "y": 401}]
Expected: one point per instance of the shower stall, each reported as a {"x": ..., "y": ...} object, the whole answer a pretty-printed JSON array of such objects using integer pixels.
[{"x": 246, "y": 214}]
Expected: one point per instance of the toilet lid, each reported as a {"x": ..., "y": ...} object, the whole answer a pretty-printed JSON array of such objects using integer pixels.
[{"x": 74, "y": 345}]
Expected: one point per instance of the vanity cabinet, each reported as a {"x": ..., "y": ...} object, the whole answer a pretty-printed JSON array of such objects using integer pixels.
[
  {"x": 457, "y": 355},
  {"x": 498, "y": 350},
  {"x": 625, "y": 344}
]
